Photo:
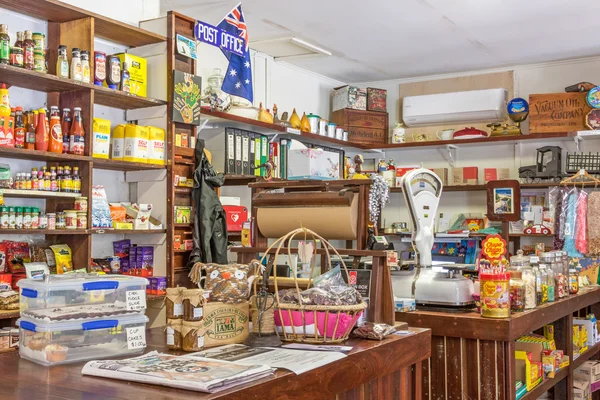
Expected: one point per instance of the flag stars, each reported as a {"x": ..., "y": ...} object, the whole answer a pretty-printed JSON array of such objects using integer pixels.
[
  {"x": 247, "y": 64},
  {"x": 232, "y": 72},
  {"x": 238, "y": 85},
  {"x": 247, "y": 81}
]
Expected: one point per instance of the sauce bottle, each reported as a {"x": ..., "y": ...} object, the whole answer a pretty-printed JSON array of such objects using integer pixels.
[
  {"x": 30, "y": 131},
  {"x": 19, "y": 42},
  {"x": 76, "y": 68},
  {"x": 66, "y": 127},
  {"x": 125, "y": 79},
  {"x": 19, "y": 129},
  {"x": 56, "y": 141},
  {"x": 76, "y": 180},
  {"x": 28, "y": 51},
  {"x": 77, "y": 133},
  {"x": 85, "y": 66},
  {"x": 113, "y": 72},
  {"x": 4, "y": 45},
  {"x": 67, "y": 181},
  {"x": 62, "y": 63},
  {"x": 4, "y": 101},
  {"x": 41, "y": 132}
]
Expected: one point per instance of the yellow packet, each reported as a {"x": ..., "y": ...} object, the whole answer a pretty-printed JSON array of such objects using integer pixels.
[{"x": 62, "y": 255}]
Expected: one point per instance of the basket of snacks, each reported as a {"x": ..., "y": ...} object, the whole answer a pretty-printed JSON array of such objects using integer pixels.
[{"x": 323, "y": 313}]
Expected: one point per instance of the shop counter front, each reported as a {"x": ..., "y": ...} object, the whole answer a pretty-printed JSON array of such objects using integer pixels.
[
  {"x": 473, "y": 357},
  {"x": 388, "y": 369}
]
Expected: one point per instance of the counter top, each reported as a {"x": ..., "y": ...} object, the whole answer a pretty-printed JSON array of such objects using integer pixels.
[
  {"x": 472, "y": 325},
  {"x": 368, "y": 361}
]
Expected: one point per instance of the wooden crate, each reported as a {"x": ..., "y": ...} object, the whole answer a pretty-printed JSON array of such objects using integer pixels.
[
  {"x": 365, "y": 127},
  {"x": 557, "y": 112}
]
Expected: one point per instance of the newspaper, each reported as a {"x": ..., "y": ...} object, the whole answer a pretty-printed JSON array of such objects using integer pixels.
[
  {"x": 182, "y": 372},
  {"x": 297, "y": 361}
]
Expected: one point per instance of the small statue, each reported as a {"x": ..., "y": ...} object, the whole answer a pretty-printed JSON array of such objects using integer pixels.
[
  {"x": 358, "y": 174},
  {"x": 381, "y": 166},
  {"x": 283, "y": 121}
]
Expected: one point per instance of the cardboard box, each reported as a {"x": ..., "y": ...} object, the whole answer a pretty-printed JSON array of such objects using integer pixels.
[
  {"x": 313, "y": 164},
  {"x": 581, "y": 390},
  {"x": 403, "y": 170},
  {"x": 557, "y": 112},
  {"x": 589, "y": 371},
  {"x": 528, "y": 360},
  {"x": 349, "y": 97},
  {"x": 101, "y": 138},
  {"x": 389, "y": 177},
  {"x": 225, "y": 323},
  {"x": 376, "y": 99},
  {"x": 183, "y": 214},
  {"x": 442, "y": 173},
  {"x": 465, "y": 176},
  {"x": 139, "y": 216},
  {"x": 138, "y": 73},
  {"x": 496, "y": 174},
  {"x": 592, "y": 330}
]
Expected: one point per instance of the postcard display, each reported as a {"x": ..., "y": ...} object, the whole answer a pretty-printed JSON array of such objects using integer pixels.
[{"x": 71, "y": 318}]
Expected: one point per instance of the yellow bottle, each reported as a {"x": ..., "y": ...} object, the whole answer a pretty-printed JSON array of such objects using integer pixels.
[
  {"x": 4, "y": 102},
  {"x": 304, "y": 124},
  {"x": 295, "y": 120}
]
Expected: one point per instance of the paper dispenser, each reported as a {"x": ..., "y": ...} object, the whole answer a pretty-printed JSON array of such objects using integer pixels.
[{"x": 333, "y": 214}]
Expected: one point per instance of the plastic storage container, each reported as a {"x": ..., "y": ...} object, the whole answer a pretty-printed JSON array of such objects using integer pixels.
[
  {"x": 66, "y": 342},
  {"x": 82, "y": 296}
]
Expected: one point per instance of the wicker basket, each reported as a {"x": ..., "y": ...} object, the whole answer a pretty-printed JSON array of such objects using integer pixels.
[{"x": 331, "y": 324}]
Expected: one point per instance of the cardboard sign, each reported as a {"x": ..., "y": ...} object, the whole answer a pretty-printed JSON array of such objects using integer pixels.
[
  {"x": 136, "y": 300},
  {"x": 209, "y": 34},
  {"x": 225, "y": 323},
  {"x": 136, "y": 337},
  {"x": 493, "y": 247}
]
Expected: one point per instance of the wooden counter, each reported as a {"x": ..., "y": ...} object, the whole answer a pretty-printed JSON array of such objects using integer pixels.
[
  {"x": 388, "y": 370},
  {"x": 473, "y": 357}
]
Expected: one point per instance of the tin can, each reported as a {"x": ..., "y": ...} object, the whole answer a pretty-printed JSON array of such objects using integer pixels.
[
  {"x": 82, "y": 220},
  {"x": 60, "y": 221},
  {"x": 70, "y": 219},
  {"x": 495, "y": 295},
  {"x": 51, "y": 220},
  {"x": 81, "y": 204}
]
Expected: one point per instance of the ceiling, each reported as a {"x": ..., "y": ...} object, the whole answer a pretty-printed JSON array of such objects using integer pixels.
[{"x": 389, "y": 39}]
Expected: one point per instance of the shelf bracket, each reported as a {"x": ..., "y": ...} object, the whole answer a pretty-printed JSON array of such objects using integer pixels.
[{"x": 450, "y": 154}]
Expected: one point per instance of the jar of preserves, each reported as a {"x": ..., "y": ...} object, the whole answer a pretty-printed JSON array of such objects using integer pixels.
[
  {"x": 192, "y": 339},
  {"x": 193, "y": 304},
  {"x": 81, "y": 204},
  {"x": 70, "y": 219},
  {"x": 522, "y": 264},
  {"x": 51, "y": 217},
  {"x": 174, "y": 338},
  {"x": 517, "y": 292},
  {"x": 174, "y": 303},
  {"x": 573, "y": 281},
  {"x": 81, "y": 219},
  {"x": 60, "y": 221}
]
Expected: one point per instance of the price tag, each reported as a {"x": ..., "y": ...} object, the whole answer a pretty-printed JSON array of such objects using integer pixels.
[
  {"x": 178, "y": 309},
  {"x": 170, "y": 339},
  {"x": 136, "y": 338},
  {"x": 198, "y": 312},
  {"x": 136, "y": 300}
]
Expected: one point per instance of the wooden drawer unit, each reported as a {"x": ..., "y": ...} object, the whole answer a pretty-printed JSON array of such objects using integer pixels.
[{"x": 365, "y": 127}]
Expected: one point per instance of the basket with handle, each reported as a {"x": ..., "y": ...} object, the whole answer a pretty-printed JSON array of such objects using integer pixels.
[{"x": 311, "y": 323}]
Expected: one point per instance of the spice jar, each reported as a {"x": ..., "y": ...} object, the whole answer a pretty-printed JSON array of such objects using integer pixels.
[
  {"x": 12, "y": 218},
  {"x": 43, "y": 221},
  {"x": 495, "y": 299},
  {"x": 82, "y": 220},
  {"x": 173, "y": 303},
  {"x": 3, "y": 217},
  {"x": 18, "y": 217},
  {"x": 193, "y": 302},
  {"x": 192, "y": 341},
  {"x": 60, "y": 221},
  {"x": 81, "y": 204},
  {"x": 517, "y": 292},
  {"x": 174, "y": 339},
  {"x": 573, "y": 281},
  {"x": 51, "y": 218},
  {"x": 35, "y": 218},
  {"x": 70, "y": 219}
]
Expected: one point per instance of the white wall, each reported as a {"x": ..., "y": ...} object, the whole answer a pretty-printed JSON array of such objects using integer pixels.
[{"x": 128, "y": 11}]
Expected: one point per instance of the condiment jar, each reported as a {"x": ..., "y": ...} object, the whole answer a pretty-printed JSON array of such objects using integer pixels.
[
  {"x": 85, "y": 66},
  {"x": 19, "y": 217},
  {"x": 173, "y": 302},
  {"x": 16, "y": 57},
  {"x": 3, "y": 217},
  {"x": 12, "y": 218},
  {"x": 99, "y": 68},
  {"x": 573, "y": 281},
  {"x": 81, "y": 219},
  {"x": 193, "y": 301},
  {"x": 35, "y": 218},
  {"x": 70, "y": 219},
  {"x": 174, "y": 339},
  {"x": 26, "y": 218},
  {"x": 60, "y": 221},
  {"x": 51, "y": 218},
  {"x": 192, "y": 340},
  {"x": 39, "y": 41},
  {"x": 517, "y": 292},
  {"x": 113, "y": 72},
  {"x": 39, "y": 61},
  {"x": 81, "y": 204}
]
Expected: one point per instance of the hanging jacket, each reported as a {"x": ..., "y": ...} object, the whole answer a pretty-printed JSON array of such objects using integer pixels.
[{"x": 210, "y": 224}]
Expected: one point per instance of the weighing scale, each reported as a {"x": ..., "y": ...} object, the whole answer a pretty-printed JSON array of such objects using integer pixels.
[{"x": 440, "y": 285}]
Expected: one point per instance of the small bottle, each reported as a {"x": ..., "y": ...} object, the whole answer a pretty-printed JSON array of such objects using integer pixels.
[
  {"x": 26, "y": 218},
  {"x": 19, "y": 41},
  {"x": 28, "y": 51},
  {"x": 18, "y": 181},
  {"x": 42, "y": 138},
  {"x": 76, "y": 68},
  {"x": 28, "y": 184},
  {"x": 56, "y": 140},
  {"x": 30, "y": 131},
  {"x": 47, "y": 181},
  {"x": 113, "y": 72},
  {"x": 67, "y": 180},
  {"x": 59, "y": 177},
  {"x": 35, "y": 218},
  {"x": 34, "y": 179},
  {"x": 62, "y": 63},
  {"x": 41, "y": 180},
  {"x": 85, "y": 66},
  {"x": 43, "y": 224},
  {"x": 18, "y": 217},
  {"x": 125, "y": 79},
  {"x": 76, "y": 134},
  {"x": 4, "y": 44},
  {"x": 76, "y": 180},
  {"x": 53, "y": 182},
  {"x": 12, "y": 218},
  {"x": 19, "y": 129},
  {"x": 66, "y": 127}
]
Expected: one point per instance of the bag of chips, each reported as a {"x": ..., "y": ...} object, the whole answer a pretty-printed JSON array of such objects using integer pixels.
[{"x": 62, "y": 256}]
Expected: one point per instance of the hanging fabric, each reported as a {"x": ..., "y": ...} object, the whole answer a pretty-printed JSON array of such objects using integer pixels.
[
  {"x": 593, "y": 224},
  {"x": 581, "y": 243},
  {"x": 570, "y": 224},
  {"x": 555, "y": 202}
]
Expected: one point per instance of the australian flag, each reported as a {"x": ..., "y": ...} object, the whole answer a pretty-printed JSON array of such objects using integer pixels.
[{"x": 238, "y": 79}]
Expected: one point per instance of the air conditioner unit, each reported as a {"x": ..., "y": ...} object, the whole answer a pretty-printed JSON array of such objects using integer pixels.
[{"x": 453, "y": 108}]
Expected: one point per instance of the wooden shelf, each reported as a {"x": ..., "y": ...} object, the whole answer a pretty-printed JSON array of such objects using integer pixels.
[
  {"x": 38, "y": 193},
  {"x": 546, "y": 385},
  {"x": 183, "y": 226},
  {"x": 39, "y": 81},
  {"x": 43, "y": 232},
  {"x": 116, "y": 165},
  {"x": 105, "y": 28},
  {"x": 181, "y": 251},
  {"x": 186, "y": 152},
  {"x": 234, "y": 236},
  {"x": 586, "y": 355},
  {"x": 10, "y": 152},
  {"x": 154, "y": 297},
  {"x": 240, "y": 180},
  {"x": 127, "y": 231},
  {"x": 183, "y": 191},
  {"x": 9, "y": 314}
]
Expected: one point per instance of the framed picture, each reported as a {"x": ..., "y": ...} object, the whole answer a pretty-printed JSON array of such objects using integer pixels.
[
  {"x": 186, "y": 98},
  {"x": 503, "y": 200}
]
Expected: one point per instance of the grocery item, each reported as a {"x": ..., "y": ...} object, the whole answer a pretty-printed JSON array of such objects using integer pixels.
[
  {"x": 174, "y": 303},
  {"x": 174, "y": 339},
  {"x": 99, "y": 68},
  {"x": 42, "y": 136},
  {"x": 101, "y": 138},
  {"x": 39, "y": 61},
  {"x": 76, "y": 68},
  {"x": 16, "y": 57},
  {"x": 56, "y": 140},
  {"x": 118, "y": 142},
  {"x": 100, "y": 209},
  {"x": 193, "y": 302},
  {"x": 66, "y": 127},
  {"x": 495, "y": 297},
  {"x": 192, "y": 334},
  {"x": 28, "y": 51},
  {"x": 4, "y": 45},
  {"x": 62, "y": 63},
  {"x": 85, "y": 66},
  {"x": 125, "y": 85},
  {"x": 138, "y": 73},
  {"x": 113, "y": 72},
  {"x": 517, "y": 292},
  {"x": 156, "y": 145},
  {"x": 136, "y": 143},
  {"x": 62, "y": 255},
  {"x": 77, "y": 134}
]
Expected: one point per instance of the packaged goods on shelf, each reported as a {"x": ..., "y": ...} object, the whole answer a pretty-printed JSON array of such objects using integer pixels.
[
  {"x": 157, "y": 286},
  {"x": 442, "y": 173},
  {"x": 136, "y": 143},
  {"x": 495, "y": 174},
  {"x": 465, "y": 176},
  {"x": 376, "y": 99},
  {"x": 349, "y": 97},
  {"x": 591, "y": 328},
  {"x": 183, "y": 214},
  {"x": 589, "y": 372},
  {"x": 100, "y": 209},
  {"x": 528, "y": 369},
  {"x": 156, "y": 146},
  {"x": 118, "y": 142},
  {"x": 101, "y": 138},
  {"x": 581, "y": 389},
  {"x": 139, "y": 215},
  {"x": 138, "y": 71}
]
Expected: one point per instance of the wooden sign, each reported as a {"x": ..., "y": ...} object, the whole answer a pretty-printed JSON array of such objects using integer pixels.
[
  {"x": 557, "y": 112},
  {"x": 365, "y": 127}
]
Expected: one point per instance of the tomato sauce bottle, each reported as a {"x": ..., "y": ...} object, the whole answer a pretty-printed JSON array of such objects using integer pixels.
[
  {"x": 56, "y": 141},
  {"x": 77, "y": 134},
  {"x": 19, "y": 129},
  {"x": 41, "y": 132}
]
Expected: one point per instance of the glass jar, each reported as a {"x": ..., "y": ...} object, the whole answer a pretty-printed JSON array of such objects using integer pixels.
[
  {"x": 60, "y": 221},
  {"x": 495, "y": 295},
  {"x": 193, "y": 304},
  {"x": 517, "y": 292},
  {"x": 16, "y": 57},
  {"x": 565, "y": 267},
  {"x": 174, "y": 338},
  {"x": 192, "y": 336},
  {"x": 43, "y": 221},
  {"x": 562, "y": 284},
  {"x": 573, "y": 281},
  {"x": 39, "y": 61},
  {"x": 70, "y": 219},
  {"x": 35, "y": 218},
  {"x": 82, "y": 220},
  {"x": 12, "y": 217},
  {"x": 522, "y": 264},
  {"x": 19, "y": 217},
  {"x": 81, "y": 204},
  {"x": 546, "y": 259},
  {"x": 3, "y": 217},
  {"x": 51, "y": 217},
  {"x": 538, "y": 279}
]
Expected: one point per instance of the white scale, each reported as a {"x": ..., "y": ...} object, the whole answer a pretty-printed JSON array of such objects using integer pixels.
[{"x": 430, "y": 285}]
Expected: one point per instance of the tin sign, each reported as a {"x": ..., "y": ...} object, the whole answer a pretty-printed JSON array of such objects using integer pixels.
[{"x": 217, "y": 37}]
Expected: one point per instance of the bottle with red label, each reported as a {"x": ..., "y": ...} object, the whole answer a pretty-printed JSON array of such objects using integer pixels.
[
  {"x": 56, "y": 141},
  {"x": 66, "y": 127},
  {"x": 19, "y": 129},
  {"x": 77, "y": 134},
  {"x": 28, "y": 51},
  {"x": 42, "y": 138}
]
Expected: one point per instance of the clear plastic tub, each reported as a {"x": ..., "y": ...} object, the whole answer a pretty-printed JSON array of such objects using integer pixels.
[
  {"x": 66, "y": 342},
  {"x": 80, "y": 297}
]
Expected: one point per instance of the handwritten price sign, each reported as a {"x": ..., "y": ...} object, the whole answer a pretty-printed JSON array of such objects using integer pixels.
[
  {"x": 136, "y": 300},
  {"x": 136, "y": 338}
]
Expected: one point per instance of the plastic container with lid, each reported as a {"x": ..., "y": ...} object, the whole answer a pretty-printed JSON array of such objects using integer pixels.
[
  {"x": 495, "y": 295},
  {"x": 82, "y": 296},
  {"x": 517, "y": 292},
  {"x": 546, "y": 259},
  {"x": 72, "y": 341},
  {"x": 522, "y": 264}
]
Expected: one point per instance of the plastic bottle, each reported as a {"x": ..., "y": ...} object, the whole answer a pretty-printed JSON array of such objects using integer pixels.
[
  {"x": 62, "y": 63},
  {"x": 76, "y": 134},
  {"x": 4, "y": 102},
  {"x": 85, "y": 66},
  {"x": 30, "y": 130},
  {"x": 42, "y": 139},
  {"x": 56, "y": 140},
  {"x": 125, "y": 79}
]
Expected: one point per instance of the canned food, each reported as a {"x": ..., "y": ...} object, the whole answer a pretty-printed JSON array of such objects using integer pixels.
[{"x": 70, "y": 219}]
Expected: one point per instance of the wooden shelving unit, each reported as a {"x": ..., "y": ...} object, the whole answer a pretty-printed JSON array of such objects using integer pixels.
[
  {"x": 546, "y": 385},
  {"x": 9, "y": 314},
  {"x": 39, "y": 194},
  {"x": 127, "y": 231},
  {"x": 116, "y": 165}
]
